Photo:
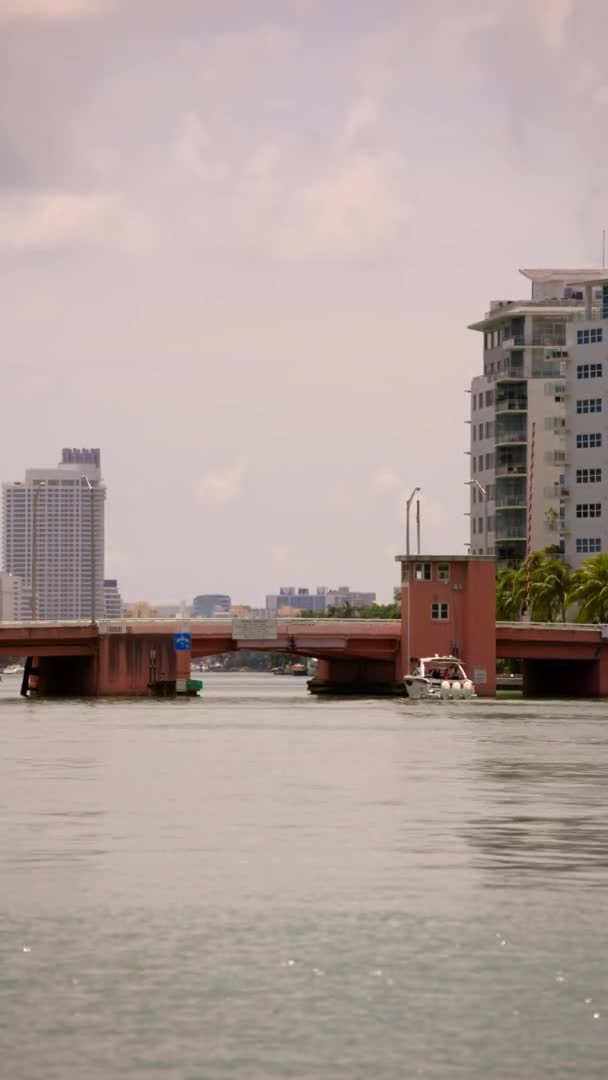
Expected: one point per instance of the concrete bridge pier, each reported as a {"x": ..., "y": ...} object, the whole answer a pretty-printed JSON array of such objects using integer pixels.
[
  {"x": 115, "y": 665},
  {"x": 357, "y": 676}
]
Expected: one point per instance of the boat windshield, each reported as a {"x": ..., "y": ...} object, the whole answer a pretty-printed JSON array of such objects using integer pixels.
[{"x": 443, "y": 667}]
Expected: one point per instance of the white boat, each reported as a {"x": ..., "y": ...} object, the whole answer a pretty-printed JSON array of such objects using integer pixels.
[
  {"x": 13, "y": 669},
  {"x": 440, "y": 677}
]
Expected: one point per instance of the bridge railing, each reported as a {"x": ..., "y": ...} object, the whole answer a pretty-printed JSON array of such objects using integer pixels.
[
  {"x": 218, "y": 624},
  {"x": 568, "y": 626}
]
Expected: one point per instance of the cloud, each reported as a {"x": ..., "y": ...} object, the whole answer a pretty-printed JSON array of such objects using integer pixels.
[
  {"x": 357, "y": 209},
  {"x": 61, "y": 219},
  {"x": 237, "y": 55},
  {"x": 552, "y": 17},
  {"x": 386, "y": 480},
  {"x": 219, "y": 486},
  {"x": 193, "y": 151},
  {"x": 13, "y": 10},
  {"x": 362, "y": 118}
]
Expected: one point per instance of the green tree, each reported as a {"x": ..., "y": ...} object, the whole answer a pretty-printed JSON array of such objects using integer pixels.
[
  {"x": 550, "y": 589},
  {"x": 590, "y": 590},
  {"x": 550, "y": 585},
  {"x": 510, "y": 594}
]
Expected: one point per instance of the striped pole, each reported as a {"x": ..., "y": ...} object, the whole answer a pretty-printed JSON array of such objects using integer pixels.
[{"x": 529, "y": 545}]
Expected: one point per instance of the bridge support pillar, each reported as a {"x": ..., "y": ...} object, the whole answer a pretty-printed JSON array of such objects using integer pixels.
[
  {"x": 138, "y": 664},
  {"x": 362, "y": 677}
]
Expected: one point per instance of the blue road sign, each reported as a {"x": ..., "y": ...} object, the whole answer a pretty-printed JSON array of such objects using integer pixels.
[{"x": 182, "y": 642}]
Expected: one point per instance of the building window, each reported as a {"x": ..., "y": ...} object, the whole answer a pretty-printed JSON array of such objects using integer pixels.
[
  {"x": 480, "y": 525},
  {"x": 588, "y": 545},
  {"x": 423, "y": 571},
  {"x": 489, "y": 397},
  {"x": 588, "y": 510},
  {"x": 588, "y": 476},
  {"x": 439, "y": 611},
  {"x": 588, "y": 371},
  {"x": 443, "y": 571},
  {"x": 474, "y": 491},
  {"x": 589, "y": 405},
  {"x": 589, "y": 337},
  {"x": 474, "y": 402},
  {"x": 590, "y": 441}
]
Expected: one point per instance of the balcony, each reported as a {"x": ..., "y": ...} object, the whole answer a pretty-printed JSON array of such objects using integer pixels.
[
  {"x": 511, "y": 404},
  {"x": 511, "y": 436},
  {"x": 512, "y": 501},
  {"x": 510, "y": 532},
  {"x": 535, "y": 341},
  {"x": 506, "y": 471}
]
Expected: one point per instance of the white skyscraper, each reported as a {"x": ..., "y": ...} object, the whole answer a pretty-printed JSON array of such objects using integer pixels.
[
  {"x": 53, "y": 537},
  {"x": 519, "y": 410},
  {"x": 584, "y": 514}
]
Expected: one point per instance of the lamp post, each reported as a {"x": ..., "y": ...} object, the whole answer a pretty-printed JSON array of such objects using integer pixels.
[
  {"x": 34, "y": 547},
  {"x": 484, "y": 492},
  {"x": 92, "y": 512},
  {"x": 408, "y": 576}
]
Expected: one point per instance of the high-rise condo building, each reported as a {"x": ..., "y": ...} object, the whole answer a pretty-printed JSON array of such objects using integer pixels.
[
  {"x": 519, "y": 408},
  {"x": 584, "y": 510},
  {"x": 53, "y": 537}
]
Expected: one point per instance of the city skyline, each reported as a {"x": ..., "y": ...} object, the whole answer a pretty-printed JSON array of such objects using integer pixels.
[{"x": 245, "y": 269}]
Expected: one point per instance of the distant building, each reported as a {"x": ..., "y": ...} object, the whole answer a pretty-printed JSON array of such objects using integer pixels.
[
  {"x": 246, "y": 611},
  {"x": 53, "y": 537},
  {"x": 343, "y": 597},
  {"x": 112, "y": 600},
  {"x": 209, "y": 604},
  {"x": 141, "y": 609},
  {"x": 170, "y": 611},
  {"x": 11, "y": 598},
  {"x": 296, "y": 599}
]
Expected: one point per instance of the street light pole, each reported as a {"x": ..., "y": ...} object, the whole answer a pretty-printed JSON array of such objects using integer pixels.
[
  {"x": 92, "y": 513},
  {"x": 408, "y": 582},
  {"x": 484, "y": 492}
]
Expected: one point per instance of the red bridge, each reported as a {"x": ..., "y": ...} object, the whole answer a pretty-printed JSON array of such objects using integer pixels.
[{"x": 354, "y": 655}]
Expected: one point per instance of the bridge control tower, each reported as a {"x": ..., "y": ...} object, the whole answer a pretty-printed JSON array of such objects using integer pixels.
[{"x": 448, "y": 607}]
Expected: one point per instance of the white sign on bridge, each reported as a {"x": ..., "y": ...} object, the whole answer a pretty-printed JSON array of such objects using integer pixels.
[{"x": 254, "y": 629}]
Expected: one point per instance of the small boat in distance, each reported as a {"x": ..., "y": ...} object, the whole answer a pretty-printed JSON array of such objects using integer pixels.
[
  {"x": 440, "y": 677},
  {"x": 13, "y": 669}
]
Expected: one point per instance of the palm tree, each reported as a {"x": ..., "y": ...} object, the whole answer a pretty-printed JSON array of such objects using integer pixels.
[
  {"x": 550, "y": 583},
  {"x": 550, "y": 589},
  {"x": 590, "y": 590},
  {"x": 510, "y": 594}
]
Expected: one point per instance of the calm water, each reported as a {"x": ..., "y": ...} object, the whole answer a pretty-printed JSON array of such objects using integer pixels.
[{"x": 257, "y": 884}]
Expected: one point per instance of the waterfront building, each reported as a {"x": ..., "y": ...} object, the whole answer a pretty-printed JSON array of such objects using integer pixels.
[
  {"x": 296, "y": 599},
  {"x": 208, "y": 604},
  {"x": 584, "y": 507},
  {"x": 53, "y": 537},
  {"x": 11, "y": 598},
  {"x": 522, "y": 392},
  {"x": 345, "y": 597},
  {"x": 112, "y": 600}
]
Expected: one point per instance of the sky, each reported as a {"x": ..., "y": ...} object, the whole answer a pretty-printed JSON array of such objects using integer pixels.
[{"x": 240, "y": 244}]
